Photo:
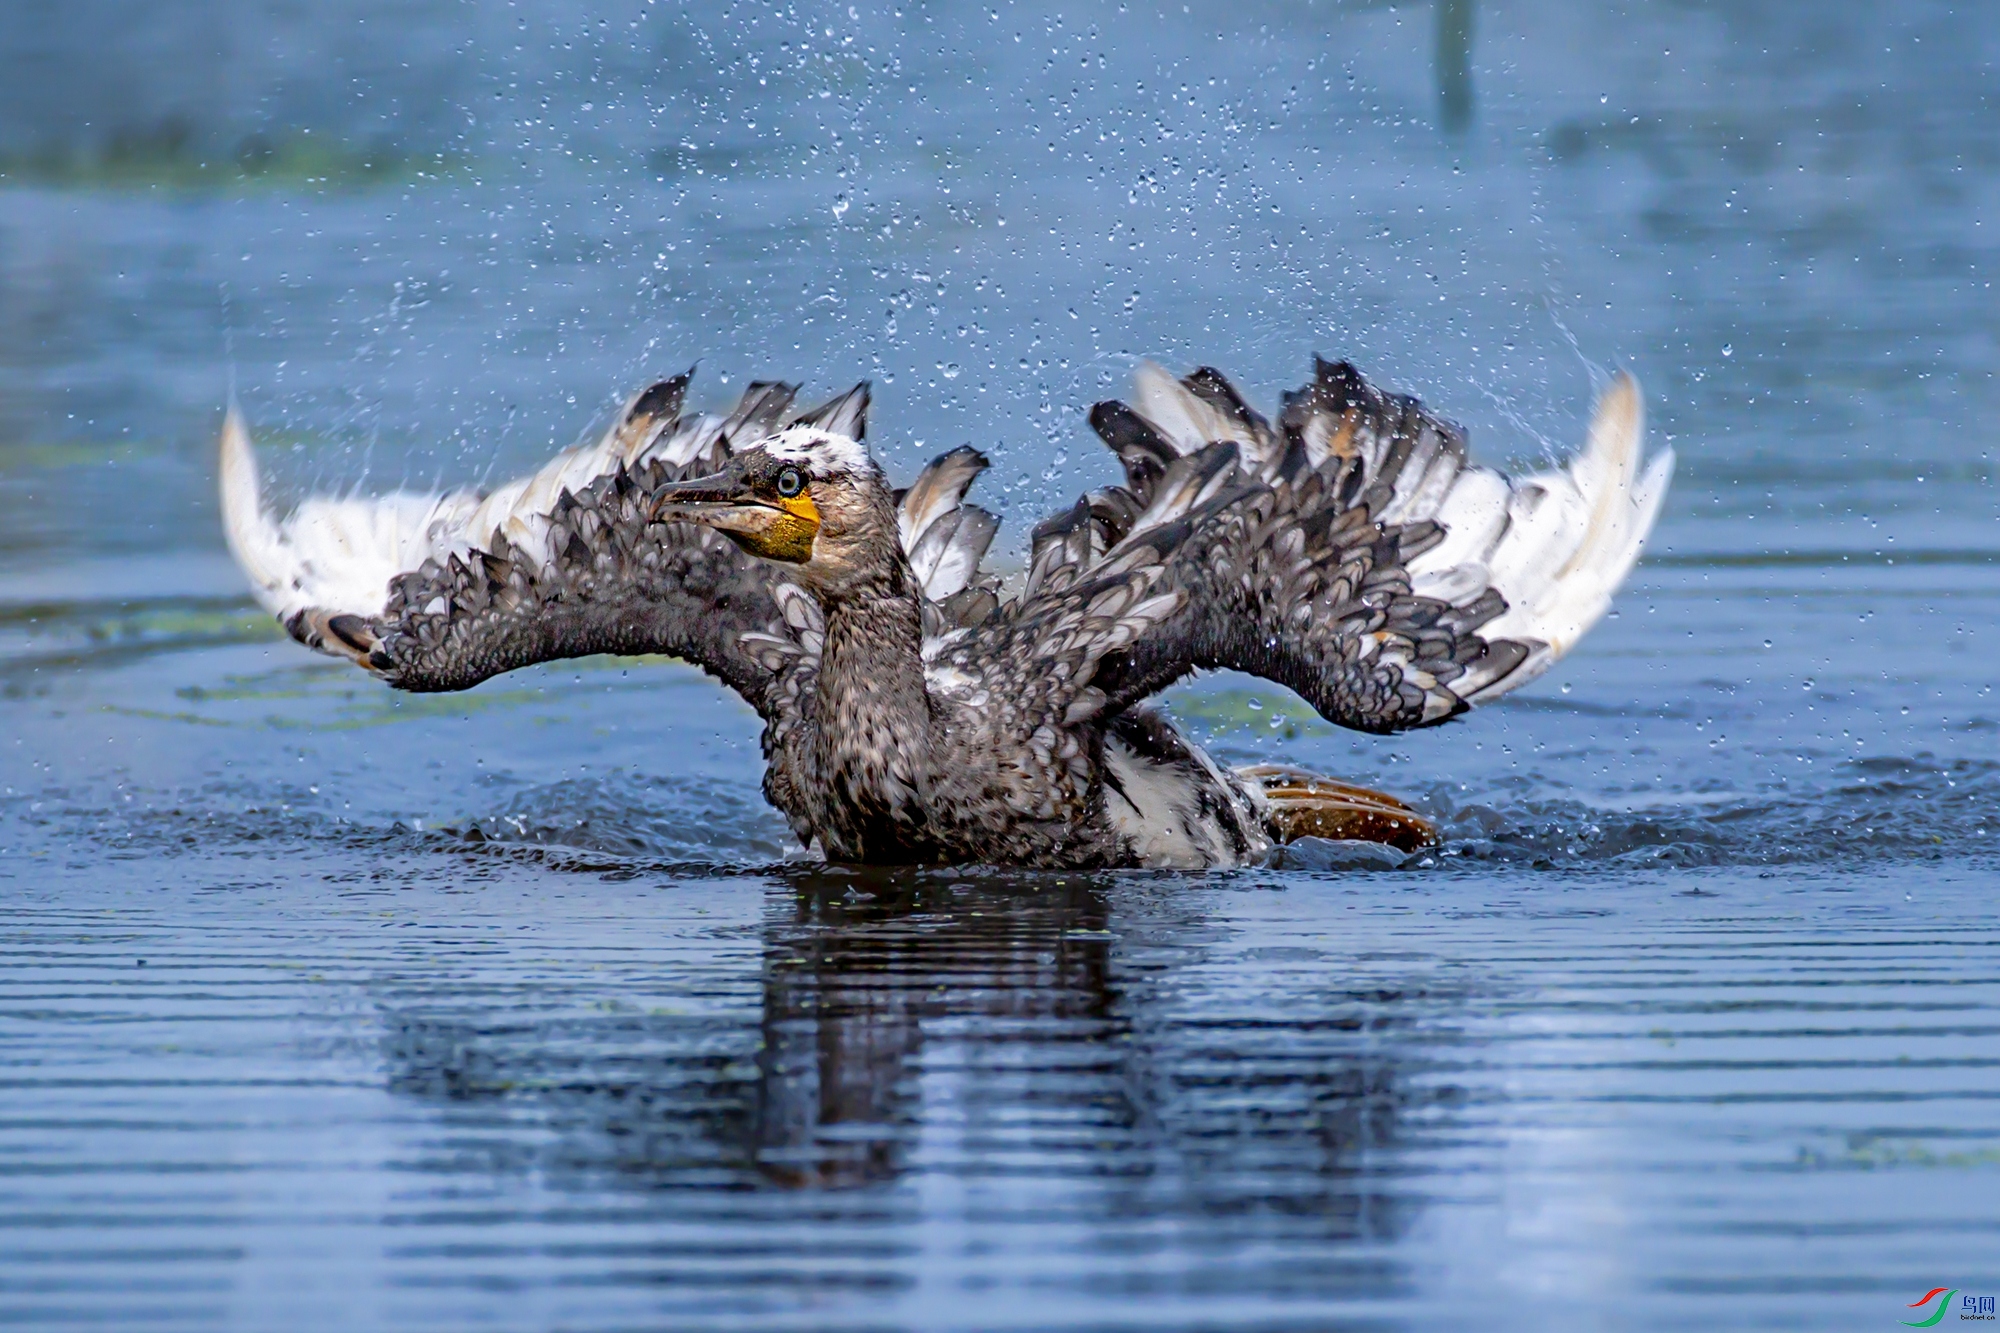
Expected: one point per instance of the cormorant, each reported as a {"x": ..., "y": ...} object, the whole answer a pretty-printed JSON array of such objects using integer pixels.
[{"x": 918, "y": 711}]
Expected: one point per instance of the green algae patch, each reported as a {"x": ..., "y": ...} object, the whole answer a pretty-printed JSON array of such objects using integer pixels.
[
  {"x": 1260, "y": 712},
  {"x": 169, "y": 157}
]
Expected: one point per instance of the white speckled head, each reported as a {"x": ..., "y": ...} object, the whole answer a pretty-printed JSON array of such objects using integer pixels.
[{"x": 822, "y": 453}]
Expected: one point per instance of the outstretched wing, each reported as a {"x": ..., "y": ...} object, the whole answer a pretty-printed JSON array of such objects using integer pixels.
[
  {"x": 1350, "y": 551},
  {"x": 439, "y": 592}
]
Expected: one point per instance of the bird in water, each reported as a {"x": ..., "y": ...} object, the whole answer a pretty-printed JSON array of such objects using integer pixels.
[{"x": 918, "y": 711}]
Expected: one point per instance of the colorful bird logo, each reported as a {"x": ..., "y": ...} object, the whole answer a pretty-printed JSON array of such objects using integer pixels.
[{"x": 1925, "y": 1299}]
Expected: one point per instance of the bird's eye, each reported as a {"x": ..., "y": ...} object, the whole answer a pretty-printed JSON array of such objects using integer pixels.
[{"x": 790, "y": 482}]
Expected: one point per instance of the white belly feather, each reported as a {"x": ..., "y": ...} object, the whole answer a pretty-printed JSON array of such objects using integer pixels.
[{"x": 1178, "y": 811}]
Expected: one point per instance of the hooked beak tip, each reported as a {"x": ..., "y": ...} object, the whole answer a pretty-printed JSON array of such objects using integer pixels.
[{"x": 677, "y": 495}]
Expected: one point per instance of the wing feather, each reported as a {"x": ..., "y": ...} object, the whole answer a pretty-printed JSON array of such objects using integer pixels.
[
  {"x": 1353, "y": 552},
  {"x": 440, "y": 591},
  {"x": 945, "y": 539}
]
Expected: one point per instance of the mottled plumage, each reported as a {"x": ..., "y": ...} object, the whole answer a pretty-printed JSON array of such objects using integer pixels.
[{"x": 1347, "y": 550}]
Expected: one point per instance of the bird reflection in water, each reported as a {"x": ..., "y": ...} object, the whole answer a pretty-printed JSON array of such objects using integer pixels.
[
  {"x": 1000, "y": 1023},
  {"x": 862, "y": 964}
]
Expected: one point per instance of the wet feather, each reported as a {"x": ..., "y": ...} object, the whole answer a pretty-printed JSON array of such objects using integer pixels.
[{"x": 1347, "y": 549}]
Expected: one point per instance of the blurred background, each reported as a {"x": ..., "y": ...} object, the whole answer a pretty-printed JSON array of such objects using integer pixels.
[
  {"x": 331, "y": 1008},
  {"x": 425, "y": 236}
]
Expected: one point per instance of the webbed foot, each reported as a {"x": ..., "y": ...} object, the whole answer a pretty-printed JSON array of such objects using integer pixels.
[{"x": 1299, "y": 804}]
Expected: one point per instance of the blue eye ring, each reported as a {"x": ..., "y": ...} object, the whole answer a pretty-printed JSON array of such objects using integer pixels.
[{"x": 790, "y": 482}]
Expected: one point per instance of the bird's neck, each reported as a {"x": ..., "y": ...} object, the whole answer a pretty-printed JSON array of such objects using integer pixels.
[{"x": 873, "y": 735}]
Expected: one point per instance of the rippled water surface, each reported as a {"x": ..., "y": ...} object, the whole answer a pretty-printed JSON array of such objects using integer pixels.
[{"x": 327, "y": 1008}]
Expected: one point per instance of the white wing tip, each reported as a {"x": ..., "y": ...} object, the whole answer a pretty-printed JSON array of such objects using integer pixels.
[
  {"x": 1625, "y": 502},
  {"x": 1610, "y": 497},
  {"x": 239, "y": 462},
  {"x": 1619, "y": 421},
  {"x": 252, "y": 537}
]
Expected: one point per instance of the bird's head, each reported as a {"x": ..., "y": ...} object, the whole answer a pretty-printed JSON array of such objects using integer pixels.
[{"x": 807, "y": 498}]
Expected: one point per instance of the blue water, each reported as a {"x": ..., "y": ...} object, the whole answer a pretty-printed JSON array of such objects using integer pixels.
[{"x": 327, "y": 1008}]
